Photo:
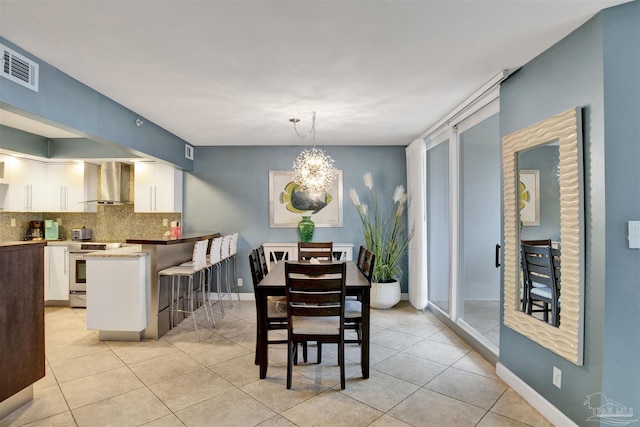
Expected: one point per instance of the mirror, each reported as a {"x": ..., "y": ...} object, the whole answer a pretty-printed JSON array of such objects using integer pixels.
[{"x": 565, "y": 131}]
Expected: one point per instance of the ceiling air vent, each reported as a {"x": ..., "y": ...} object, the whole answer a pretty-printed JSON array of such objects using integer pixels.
[{"x": 19, "y": 69}]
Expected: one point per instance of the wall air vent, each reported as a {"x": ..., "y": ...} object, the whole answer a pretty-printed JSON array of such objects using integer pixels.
[
  {"x": 188, "y": 151},
  {"x": 19, "y": 69}
]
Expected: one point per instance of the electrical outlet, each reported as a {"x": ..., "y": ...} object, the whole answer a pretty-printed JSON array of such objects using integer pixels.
[
  {"x": 13, "y": 222},
  {"x": 239, "y": 282},
  {"x": 59, "y": 221},
  {"x": 557, "y": 377},
  {"x": 165, "y": 222}
]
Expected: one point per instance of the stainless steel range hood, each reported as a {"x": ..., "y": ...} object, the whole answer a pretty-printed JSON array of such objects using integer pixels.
[{"x": 115, "y": 178}]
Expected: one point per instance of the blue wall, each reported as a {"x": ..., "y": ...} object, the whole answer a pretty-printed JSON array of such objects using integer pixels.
[
  {"x": 62, "y": 101},
  {"x": 621, "y": 371},
  {"x": 597, "y": 67},
  {"x": 228, "y": 191}
]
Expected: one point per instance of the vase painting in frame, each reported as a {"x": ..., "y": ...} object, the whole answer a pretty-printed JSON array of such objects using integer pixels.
[{"x": 287, "y": 204}]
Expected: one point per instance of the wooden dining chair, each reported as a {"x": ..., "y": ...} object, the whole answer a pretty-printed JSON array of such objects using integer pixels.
[
  {"x": 315, "y": 308},
  {"x": 360, "y": 259},
  {"x": 319, "y": 250},
  {"x": 276, "y": 307},
  {"x": 353, "y": 307},
  {"x": 541, "y": 266}
]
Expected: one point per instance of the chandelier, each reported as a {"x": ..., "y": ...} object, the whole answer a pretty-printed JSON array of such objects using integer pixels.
[{"x": 313, "y": 170}]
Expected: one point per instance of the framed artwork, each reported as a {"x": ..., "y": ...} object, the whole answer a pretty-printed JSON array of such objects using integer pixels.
[
  {"x": 530, "y": 197},
  {"x": 287, "y": 204}
]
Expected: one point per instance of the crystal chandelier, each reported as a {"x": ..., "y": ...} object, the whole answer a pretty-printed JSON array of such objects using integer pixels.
[{"x": 313, "y": 170}]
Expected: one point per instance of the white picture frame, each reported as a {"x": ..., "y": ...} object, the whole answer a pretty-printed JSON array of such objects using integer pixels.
[{"x": 285, "y": 212}]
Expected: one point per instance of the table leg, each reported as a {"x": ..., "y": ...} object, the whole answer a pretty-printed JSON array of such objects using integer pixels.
[
  {"x": 364, "y": 362},
  {"x": 263, "y": 357}
]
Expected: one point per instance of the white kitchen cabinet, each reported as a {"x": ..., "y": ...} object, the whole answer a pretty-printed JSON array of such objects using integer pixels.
[
  {"x": 56, "y": 273},
  {"x": 157, "y": 188},
  {"x": 118, "y": 295},
  {"x": 69, "y": 185},
  {"x": 26, "y": 185}
]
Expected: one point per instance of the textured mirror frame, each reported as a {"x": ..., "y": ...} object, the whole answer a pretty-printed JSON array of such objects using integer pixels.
[{"x": 567, "y": 339}]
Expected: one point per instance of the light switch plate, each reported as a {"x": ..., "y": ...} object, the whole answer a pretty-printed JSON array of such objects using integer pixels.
[{"x": 634, "y": 234}]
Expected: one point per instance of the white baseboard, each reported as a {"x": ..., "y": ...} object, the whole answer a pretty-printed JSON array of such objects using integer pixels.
[{"x": 534, "y": 399}]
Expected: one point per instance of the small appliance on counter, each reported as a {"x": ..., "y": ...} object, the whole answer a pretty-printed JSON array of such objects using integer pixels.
[
  {"x": 35, "y": 231},
  {"x": 51, "y": 230},
  {"x": 81, "y": 234}
]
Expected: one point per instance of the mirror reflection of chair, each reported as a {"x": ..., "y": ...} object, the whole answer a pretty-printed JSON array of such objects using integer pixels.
[
  {"x": 319, "y": 250},
  {"x": 525, "y": 290},
  {"x": 541, "y": 266},
  {"x": 315, "y": 308}
]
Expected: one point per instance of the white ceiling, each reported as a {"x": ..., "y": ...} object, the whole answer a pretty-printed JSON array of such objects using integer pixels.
[{"x": 234, "y": 72}]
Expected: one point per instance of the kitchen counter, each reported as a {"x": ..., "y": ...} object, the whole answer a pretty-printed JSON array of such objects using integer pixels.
[
  {"x": 186, "y": 238},
  {"x": 22, "y": 242},
  {"x": 130, "y": 251}
]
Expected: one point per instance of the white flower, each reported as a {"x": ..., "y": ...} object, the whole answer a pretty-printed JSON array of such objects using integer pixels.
[
  {"x": 364, "y": 209},
  {"x": 397, "y": 195},
  {"x": 368, "y": 180},
  {"x": 354, "y": 197},
  {"x": 403, "y": 199}
]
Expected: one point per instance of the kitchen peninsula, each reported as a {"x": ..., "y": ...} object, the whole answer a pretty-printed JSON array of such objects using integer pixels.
[
  {"x": 165, "y": 252},
  {"x": 22, "y": 360}
]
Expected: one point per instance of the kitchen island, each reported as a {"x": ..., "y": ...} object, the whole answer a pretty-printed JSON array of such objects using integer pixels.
[
  {"x": 118, "y": 293},
  {"x": 165, "y": 252},
  {"x": 22, "y": 361}
]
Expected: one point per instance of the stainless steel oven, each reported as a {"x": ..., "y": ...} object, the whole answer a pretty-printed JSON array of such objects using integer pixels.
[{"x": 78, "y": 272}]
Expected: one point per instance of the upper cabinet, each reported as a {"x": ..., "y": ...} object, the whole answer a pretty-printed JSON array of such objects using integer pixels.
[
  {"x": 158, "y": 188},
  {"x": 26, "y": 186},
  {"x": 32, "y": 186},
  {"x": 70, "y": 185}
]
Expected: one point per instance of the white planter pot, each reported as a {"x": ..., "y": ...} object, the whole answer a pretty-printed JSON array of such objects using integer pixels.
[{"x": 385, "y": 295}]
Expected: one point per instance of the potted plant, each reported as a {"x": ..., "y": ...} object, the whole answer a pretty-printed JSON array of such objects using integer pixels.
[{"x": 385, "y": 235}]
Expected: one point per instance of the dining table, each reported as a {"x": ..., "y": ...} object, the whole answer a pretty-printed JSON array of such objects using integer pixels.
[{"x": 273, "y": 284}]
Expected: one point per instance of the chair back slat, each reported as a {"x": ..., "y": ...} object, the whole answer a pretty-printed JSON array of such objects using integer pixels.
[{"x": 319, "y": 250}]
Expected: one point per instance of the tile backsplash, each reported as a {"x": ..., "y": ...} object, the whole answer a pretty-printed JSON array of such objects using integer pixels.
[{"x": 111, "y": 223}]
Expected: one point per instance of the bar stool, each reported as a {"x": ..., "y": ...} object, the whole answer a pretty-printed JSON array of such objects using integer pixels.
[
  {"x": 214, "y": 261},
  {"x": 177, "y": 273},
  {"x": 225, "y": 258},
  {"x": 233, "y": 252}
]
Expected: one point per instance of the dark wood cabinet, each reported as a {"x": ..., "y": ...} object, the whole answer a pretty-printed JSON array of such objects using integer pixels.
[{"x": 22, "y": 360}]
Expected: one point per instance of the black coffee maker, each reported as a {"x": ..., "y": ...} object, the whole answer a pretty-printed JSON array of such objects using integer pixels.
[{"x": 35, "y": 231}]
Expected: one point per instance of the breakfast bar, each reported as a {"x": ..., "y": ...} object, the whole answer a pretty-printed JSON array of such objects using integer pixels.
[{"x": 165, "y": 252}]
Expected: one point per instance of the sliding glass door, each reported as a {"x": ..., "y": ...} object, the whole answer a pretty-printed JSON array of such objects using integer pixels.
[
  {"x": 464, "y": 222},
  {"x": 479, "y": 226},
  {"x": 438, "y": 226}
]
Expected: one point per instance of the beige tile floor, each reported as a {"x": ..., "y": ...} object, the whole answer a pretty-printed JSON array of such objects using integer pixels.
[{"x": 421, "y": 375}]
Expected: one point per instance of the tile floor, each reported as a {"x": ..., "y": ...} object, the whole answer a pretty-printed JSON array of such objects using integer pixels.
[
  {"x": 422, "y": 375},
  {"x": 484, "y": 317}
]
